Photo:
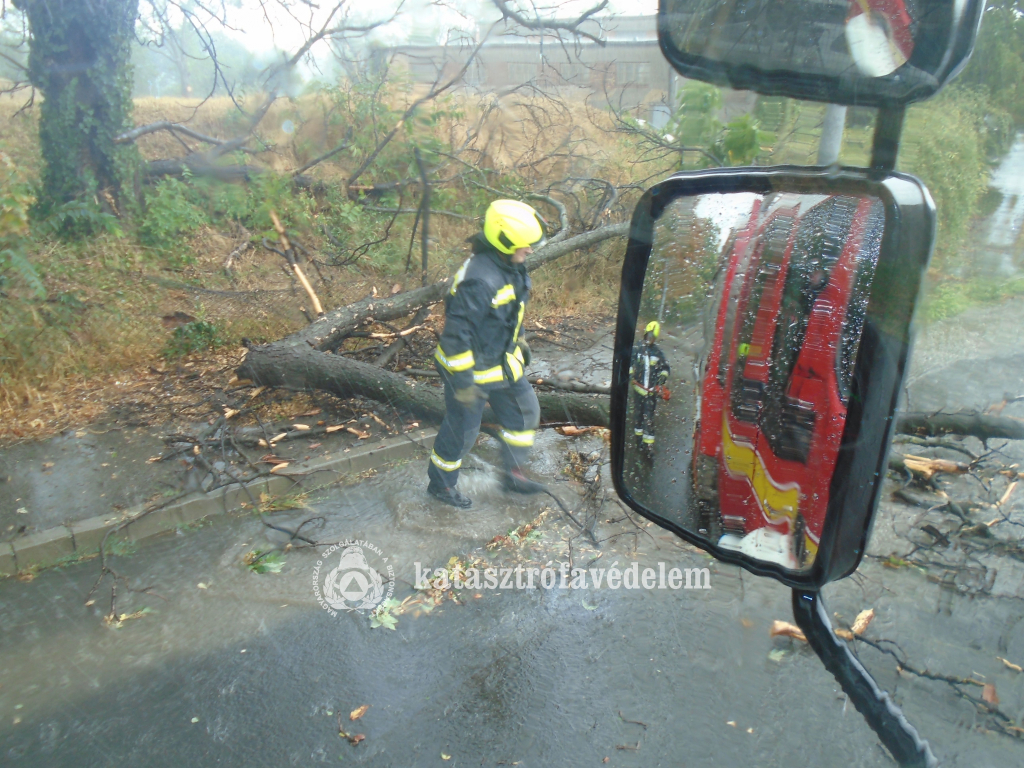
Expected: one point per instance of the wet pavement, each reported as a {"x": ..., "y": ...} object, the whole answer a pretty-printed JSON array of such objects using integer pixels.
[
  {"x": 221, "y": 665},
  {"x": 231, "y": 667}
]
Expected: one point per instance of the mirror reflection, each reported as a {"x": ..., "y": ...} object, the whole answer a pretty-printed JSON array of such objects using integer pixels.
[
  {"x": 871, "y": 38},
  {"x": 742, "y": 365}
]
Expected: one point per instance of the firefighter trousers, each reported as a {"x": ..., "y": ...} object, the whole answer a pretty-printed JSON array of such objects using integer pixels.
[
  {"x": 518, "y": 412},
  {"x": 644, "y": 429}
]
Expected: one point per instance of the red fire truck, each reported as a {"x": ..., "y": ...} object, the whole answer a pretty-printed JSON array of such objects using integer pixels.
[{"x": 774, "y": 383}]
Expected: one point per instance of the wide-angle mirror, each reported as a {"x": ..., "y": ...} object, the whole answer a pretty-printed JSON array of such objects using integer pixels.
[
  {"x": 746, "y": 397},
  {"x": 867, "y": 52}
]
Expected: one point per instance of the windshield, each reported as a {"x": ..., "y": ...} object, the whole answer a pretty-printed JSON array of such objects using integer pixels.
[{"x": 307, "y": 314}]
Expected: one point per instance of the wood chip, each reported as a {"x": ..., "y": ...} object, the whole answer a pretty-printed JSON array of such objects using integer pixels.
[
  {"x": 255, "y": 392},
  {"x": 279, "y": 468},
  {"x": 844, "y": 633},
  {"x": 355, "y": 714},
  {"x": 275, "y": 438},
  {"x": 1011, "y": 665},
  {"x": 334, "y": 428},
  {"x": 786, "y": 629},
  {"x": 861, "y": 622},
  {"x": 300, "y": 427},
  {"x": 928, "y": 467},
  {"x": 357, "y": 433},
  {"x": 989, "y": 695},
  {"x": 229, "y": 412}
]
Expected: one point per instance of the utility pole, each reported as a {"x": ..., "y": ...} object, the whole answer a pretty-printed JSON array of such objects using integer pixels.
[{"x": 831, "y": 134}]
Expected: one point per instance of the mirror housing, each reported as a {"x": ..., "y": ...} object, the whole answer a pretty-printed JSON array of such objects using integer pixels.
[
  {"x": 880, "y": 361},
  {"x": 865, "y": 53}
]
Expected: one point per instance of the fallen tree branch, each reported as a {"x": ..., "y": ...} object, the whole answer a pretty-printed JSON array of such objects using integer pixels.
[
  {"x": 301, "y": 368},
  {"x": 329, "y": 331},
  {"x": 980, "y": 425}
]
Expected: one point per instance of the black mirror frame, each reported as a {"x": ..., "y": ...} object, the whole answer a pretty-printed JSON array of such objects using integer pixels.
[
  {"x": 888, "y": 91},
  {"x": 881, "y": 359}
]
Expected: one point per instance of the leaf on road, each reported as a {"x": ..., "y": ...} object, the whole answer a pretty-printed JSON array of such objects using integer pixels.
[
  {"x": 861, "y": 622},
  {"x": 356, "y": 738},
  {"x": 279, "y": 467},
  {"x": 445, "y": 757},
  {"x": 989, "y": 695},
  {"x": 787, "y": 629},
  {"x": 355, "y": 714}
]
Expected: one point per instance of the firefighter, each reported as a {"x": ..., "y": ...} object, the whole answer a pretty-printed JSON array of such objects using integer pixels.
[
  {"x": 482, "y": 356},
  {"x": 650, "y": 371}
]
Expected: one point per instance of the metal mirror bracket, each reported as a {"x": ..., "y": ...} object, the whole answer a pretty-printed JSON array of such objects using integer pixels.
[
  {"x": 885, "y": 718},
  {"x": 885, "y": 144}
]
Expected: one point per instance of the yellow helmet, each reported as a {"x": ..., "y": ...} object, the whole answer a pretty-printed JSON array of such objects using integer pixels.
[
  {"x": 510, "y": 225},
  {"x": 653, "y": 328}
]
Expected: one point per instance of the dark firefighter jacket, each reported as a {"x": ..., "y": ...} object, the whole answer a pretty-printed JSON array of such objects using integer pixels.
[
  {"x": 483, "y": 319},
  {"x": 649, "y": 368}
]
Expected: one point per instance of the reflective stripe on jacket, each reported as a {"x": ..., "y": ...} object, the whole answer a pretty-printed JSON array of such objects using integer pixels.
[
  {"x": 649, "y": 368},
  {"x": 483, "y": 319}
]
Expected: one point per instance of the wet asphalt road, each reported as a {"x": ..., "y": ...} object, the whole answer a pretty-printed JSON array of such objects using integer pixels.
[{"x": 535, "y": 677}]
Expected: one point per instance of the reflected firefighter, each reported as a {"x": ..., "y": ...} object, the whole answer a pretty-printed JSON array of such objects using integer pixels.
[{"x": 650, "y": 371}]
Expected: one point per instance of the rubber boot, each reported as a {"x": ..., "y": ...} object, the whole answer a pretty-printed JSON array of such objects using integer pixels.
[
  {"x": 517, "y": 482},
  {"x": 450, "y": 496}
]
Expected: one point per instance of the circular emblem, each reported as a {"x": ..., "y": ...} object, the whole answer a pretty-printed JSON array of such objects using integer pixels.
[{"x": 354, "y": 583}]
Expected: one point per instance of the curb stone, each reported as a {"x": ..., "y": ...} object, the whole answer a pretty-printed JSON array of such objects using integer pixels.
[{"x": 46, "y": 548}]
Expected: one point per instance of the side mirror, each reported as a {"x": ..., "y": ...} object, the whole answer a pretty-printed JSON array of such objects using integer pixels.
[
  {"x": 763, "y": 333},
  {"x": 868, "y": 52}
]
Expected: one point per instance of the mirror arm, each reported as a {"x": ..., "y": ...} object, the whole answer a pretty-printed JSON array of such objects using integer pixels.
[
  {"x": 885, "y": 144},
  {"x": 885, "y": 718}
]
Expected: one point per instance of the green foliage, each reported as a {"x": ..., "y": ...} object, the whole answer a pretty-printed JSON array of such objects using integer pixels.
[
  {"x": 171, "y": 213},
  {"x": 259, "y": 561},
  {"x": 75, "y": 220},
  {"x": 946, "y": 143},
  {"x": 197, "y": 336},
  {"x": 950, "y": 297},
  {"x": 997, "y": 63},
  {"x": 382, "y": 615},
  {"x": 741, "y": 142},
  {"x": 15, "y": 200}
]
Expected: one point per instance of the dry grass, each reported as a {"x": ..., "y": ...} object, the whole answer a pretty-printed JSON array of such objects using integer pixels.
[{"x": 96, "y": 340}]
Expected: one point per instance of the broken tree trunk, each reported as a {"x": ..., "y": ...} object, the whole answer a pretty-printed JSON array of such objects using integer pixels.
[
  {"x": 980, "y": 425},
  {"x": 330, "y": 330},
  {"x": 301, "y": 368}
]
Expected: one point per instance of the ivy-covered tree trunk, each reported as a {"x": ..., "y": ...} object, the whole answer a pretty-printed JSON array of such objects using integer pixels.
[{"x": 80, "y": 58}]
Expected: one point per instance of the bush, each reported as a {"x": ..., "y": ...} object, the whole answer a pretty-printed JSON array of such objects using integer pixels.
[
  {"x": 170, "y": 214},
  {"x": 15, "y": 200},
  {"x": 197, "y": 336}
]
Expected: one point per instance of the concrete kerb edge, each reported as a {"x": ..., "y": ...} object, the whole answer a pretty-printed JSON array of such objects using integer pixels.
[{"x": 47, "y": 548}]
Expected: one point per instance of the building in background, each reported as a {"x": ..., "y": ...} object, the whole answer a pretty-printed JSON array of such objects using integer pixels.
[{"x": 627, "y": 71}]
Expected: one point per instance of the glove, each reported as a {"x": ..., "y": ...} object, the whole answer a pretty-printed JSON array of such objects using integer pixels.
[
  {"x": 525, "y": 349},
  {"x": 469, "y": 395}
]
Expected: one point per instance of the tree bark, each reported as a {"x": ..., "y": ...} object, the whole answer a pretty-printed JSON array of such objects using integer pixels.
[
  {"x": 80, "y": 58},
  {"x": 301, "y": 368},
  {"x": 979, "y": 425}
]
